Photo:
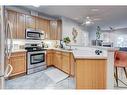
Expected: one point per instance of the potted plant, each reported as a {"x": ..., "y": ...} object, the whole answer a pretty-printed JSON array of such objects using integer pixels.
[{"x": 66, "y": 40}]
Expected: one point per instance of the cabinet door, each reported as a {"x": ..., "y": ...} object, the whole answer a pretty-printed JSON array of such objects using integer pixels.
[
  {"x": 53, "y": 30},
  {"x": 47, "y": 29},
  {"x": 18, "y": 62},
  {"x": 66, "y": 62},
  {"x": 12, "y": 17},
  {"x": 59, "y": 30},
  {"x": 30, "y": 22},
  {"x": 56, "y": 30},
  {"x": 20, "y": 26},
  {"x": 49, "y": 59},
  {"x": 43, "y": 25},
  {"x": 58, "y": 59},
  {"x": 72, "y": 64}
]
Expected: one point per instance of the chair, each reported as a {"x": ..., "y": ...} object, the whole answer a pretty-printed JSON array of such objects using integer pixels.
[{"x": 120, "y": 61}]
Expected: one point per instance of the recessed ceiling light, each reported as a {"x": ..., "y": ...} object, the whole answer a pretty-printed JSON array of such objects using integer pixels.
[{"x": 95, "y": 10}]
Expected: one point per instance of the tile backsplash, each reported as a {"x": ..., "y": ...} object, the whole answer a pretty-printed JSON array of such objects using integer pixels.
[{"x": 19, "y": 43}]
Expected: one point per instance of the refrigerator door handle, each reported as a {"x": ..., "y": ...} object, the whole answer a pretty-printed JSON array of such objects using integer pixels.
[
  {"x": 9, "y": 30},
  {"x": 8, "y": 71}
]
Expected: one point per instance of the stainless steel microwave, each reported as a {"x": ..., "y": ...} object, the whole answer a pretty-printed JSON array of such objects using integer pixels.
[{"x": 34, "y": 34}]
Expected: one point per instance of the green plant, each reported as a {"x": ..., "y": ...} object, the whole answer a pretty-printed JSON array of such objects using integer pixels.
[{"x": 67, "y": 40}]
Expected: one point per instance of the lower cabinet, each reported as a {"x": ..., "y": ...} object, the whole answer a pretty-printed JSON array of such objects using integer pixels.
[
  {"x": 61, "y": 60},
  {"x": 18, "y": 62},
  {"x": 57, "y": 59},
  {"x": 66, "y": 62},
  {"x": 49, "y": 57},
  {"x": 90, "y": 73}
]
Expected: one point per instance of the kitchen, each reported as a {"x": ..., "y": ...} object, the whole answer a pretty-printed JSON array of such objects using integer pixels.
[{"x": 46, "y": 49}]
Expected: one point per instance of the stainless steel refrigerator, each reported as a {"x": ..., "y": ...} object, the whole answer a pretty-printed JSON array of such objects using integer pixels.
[{"x": 6, "y": 45}]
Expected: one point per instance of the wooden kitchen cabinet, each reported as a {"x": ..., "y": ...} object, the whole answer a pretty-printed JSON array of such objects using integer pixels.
[
  {"x": 61, "y": 60},
  {"x": 43, "y": 25},
  {"x": 18, "y": 62},
  {"x": 12, "y": 17},
  {"x": 66, "y": 62},
  {"x": 49, "y": 57},
  {"x": 59, "y": 30},
  {"x": 30, "y": 22},
  {"x": 56, "y": 30},
  {"x": 58, "y": 59},
  {"x": 90, "y": 73},
  {"x": 72, "y": 65},
  {"x": 20, "y": 26}
]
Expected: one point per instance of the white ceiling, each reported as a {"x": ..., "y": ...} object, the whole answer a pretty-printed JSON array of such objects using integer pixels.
[{"x": 105, "y": 13}]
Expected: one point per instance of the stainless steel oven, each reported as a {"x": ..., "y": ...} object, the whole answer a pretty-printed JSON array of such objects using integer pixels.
[
  {"x": 36, "y": 61},
  {"x": 34, "y": 34}
]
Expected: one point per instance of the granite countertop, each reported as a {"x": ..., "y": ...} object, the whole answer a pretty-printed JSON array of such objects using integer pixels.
[
  {"x": 59, "y": 49},
  {"x": 89, "y": 57},
  {"x": 79, "y": 54},
  {"x": 88, "y": 54}
]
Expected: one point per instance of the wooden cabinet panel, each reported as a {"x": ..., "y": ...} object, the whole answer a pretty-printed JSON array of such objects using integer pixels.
[
  {"x": 18, "y": 62},
  {"x": 49, "y": 57},
  {"x": 72, "y": 64},
  {"x": 30, "y": 22},
  {"x": 12, "y": 17},
  {"x": 57, "y": 59},
  {"x": 20, "y": 26},
  {"x": 90, "y": 74},
  {"x": 59, "y": 30},
  {"x": 66, "y": 62},
  {"x": 61, "y": 60},
  {"x": 43, "y": 25},
  {"x": 53, "y": 30},
  {"x": 56, "y": 30}
]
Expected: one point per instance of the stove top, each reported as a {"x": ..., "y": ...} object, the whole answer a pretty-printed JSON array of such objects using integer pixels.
[{"x": 32, "y": 49}]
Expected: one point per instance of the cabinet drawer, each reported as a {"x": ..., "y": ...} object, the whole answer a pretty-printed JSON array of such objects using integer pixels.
[
  {"x": 14, "y": 54},
  {"x": 49, "y": 51},
  {"x": 65, "y": 54},
  {"x": 57, "y": 52}
]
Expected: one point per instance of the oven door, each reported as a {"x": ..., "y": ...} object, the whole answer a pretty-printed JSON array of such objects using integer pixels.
[{"x": 36, "y": 58}]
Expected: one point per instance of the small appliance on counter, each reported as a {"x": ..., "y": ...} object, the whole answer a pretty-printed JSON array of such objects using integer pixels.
[{"x": 36, "y": 58}]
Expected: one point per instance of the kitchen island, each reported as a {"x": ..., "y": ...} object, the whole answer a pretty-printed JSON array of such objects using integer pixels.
[
  {"x": 94, "y": 71},
  {"x": 90, "y": 72}
]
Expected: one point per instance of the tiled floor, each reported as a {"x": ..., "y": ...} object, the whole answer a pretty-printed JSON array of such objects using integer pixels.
[{"x": 39, "y": 80}]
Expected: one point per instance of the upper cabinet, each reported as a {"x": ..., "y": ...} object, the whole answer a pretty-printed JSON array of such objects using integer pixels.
[
  {"x": 17, "y": 21},
  {"x": 12, "y": 18},
  {"x": 59, "y": 30},
  {"x": 43, "y": 25},
  {"x": 56, "y": 30},
  {"x": 20, "y": 26},
  {"x": 30, "y": 22},
  {"x": 20, "y": 22}
]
